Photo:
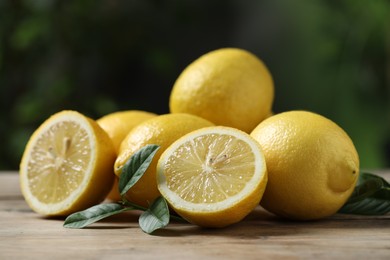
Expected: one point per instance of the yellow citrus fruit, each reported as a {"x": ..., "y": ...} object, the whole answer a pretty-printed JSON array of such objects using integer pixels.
[
  {"x": 117, "y": 125},
  {"x": 229, "y": 87},
  {"x": 114, "y": 194},
  {"x": 67, "y": 165},
  {"x": 214, "y": 176},
  {"x": 312, "y": 165},
  {"x": 162, "y": 130}
]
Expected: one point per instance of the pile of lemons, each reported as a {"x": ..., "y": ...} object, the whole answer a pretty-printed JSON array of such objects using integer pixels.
[{"x": 222, "y": 151}]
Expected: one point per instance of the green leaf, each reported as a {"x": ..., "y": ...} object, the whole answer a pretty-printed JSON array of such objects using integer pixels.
[
  {"x": 370, "y": 197},
  {"x": 91, "y": 215},
  {"x": 135, "y": 167},
  {"x": 156, "y": 217}
]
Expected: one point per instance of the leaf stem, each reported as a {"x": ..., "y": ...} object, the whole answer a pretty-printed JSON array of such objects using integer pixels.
[{"x": 126, "y": 203}]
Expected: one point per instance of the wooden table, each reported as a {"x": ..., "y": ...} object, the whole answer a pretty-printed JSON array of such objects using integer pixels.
[{"x": 26, "y": 235}]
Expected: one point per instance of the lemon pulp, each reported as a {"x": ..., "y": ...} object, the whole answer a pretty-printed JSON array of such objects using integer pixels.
[
  {"x": 58, "y": 162},
  {"x": 210, "y": 168}
]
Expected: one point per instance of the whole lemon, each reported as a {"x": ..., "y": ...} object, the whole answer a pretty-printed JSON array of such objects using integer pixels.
[
  {"x": 162, "y": 130},
  {"x": 117, "y": 125},
  {"x": 229, "y": 86},
  {"x": 312, "y": 165}
]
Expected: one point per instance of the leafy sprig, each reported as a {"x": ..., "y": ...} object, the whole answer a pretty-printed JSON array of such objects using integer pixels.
[
  {"x": 155, "y": 217},
  {"x": 371, "y": 196}
]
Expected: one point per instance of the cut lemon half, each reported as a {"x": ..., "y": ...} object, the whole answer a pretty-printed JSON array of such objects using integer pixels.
[
  {"x": 213, "y": 177},
  {"x": 67, "y": 165}
]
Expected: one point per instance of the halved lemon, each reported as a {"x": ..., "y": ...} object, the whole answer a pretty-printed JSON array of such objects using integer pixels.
[
  {"x": 67, "y": 165},
  {"x": 213, "y": 177}
]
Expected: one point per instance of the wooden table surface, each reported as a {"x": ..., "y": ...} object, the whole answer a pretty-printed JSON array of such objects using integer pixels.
[{"x": 26, "y": 235}]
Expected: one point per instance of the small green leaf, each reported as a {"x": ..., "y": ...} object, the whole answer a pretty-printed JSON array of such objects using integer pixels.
[
  {"x": 91, "y": 215},
  {"x": 156, "y": 217},
  {"x": 370, "y": 197},
  {"x": 135, "y": 167}
]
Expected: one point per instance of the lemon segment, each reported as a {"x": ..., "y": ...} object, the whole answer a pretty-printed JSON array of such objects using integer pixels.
[
  {"x": 213, "y": 177},
  {"x": 65, "y": 166}
]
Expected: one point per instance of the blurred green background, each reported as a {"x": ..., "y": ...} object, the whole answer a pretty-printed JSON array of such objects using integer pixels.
[{"x": 330, "y": 57}]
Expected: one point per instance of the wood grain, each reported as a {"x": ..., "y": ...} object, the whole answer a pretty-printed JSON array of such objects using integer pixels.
[{"x": 26, "y": 235}]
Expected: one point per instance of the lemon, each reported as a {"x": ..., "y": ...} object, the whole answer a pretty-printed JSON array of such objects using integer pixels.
[
  {"x": 213, "y": 177},
  {"x": 162, "y": 130},
  {"x": 66, "y": 165},
  {"x": 312, "y": 165},
  {"x": 117, "y": 125},
  {"x": 229, "y": 87},
  {"x": 114, "y": 194}
]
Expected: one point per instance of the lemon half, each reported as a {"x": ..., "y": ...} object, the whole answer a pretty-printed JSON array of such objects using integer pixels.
[
  {"x": 67, "y": 165},
  {"x": 213, "y": 177}
]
